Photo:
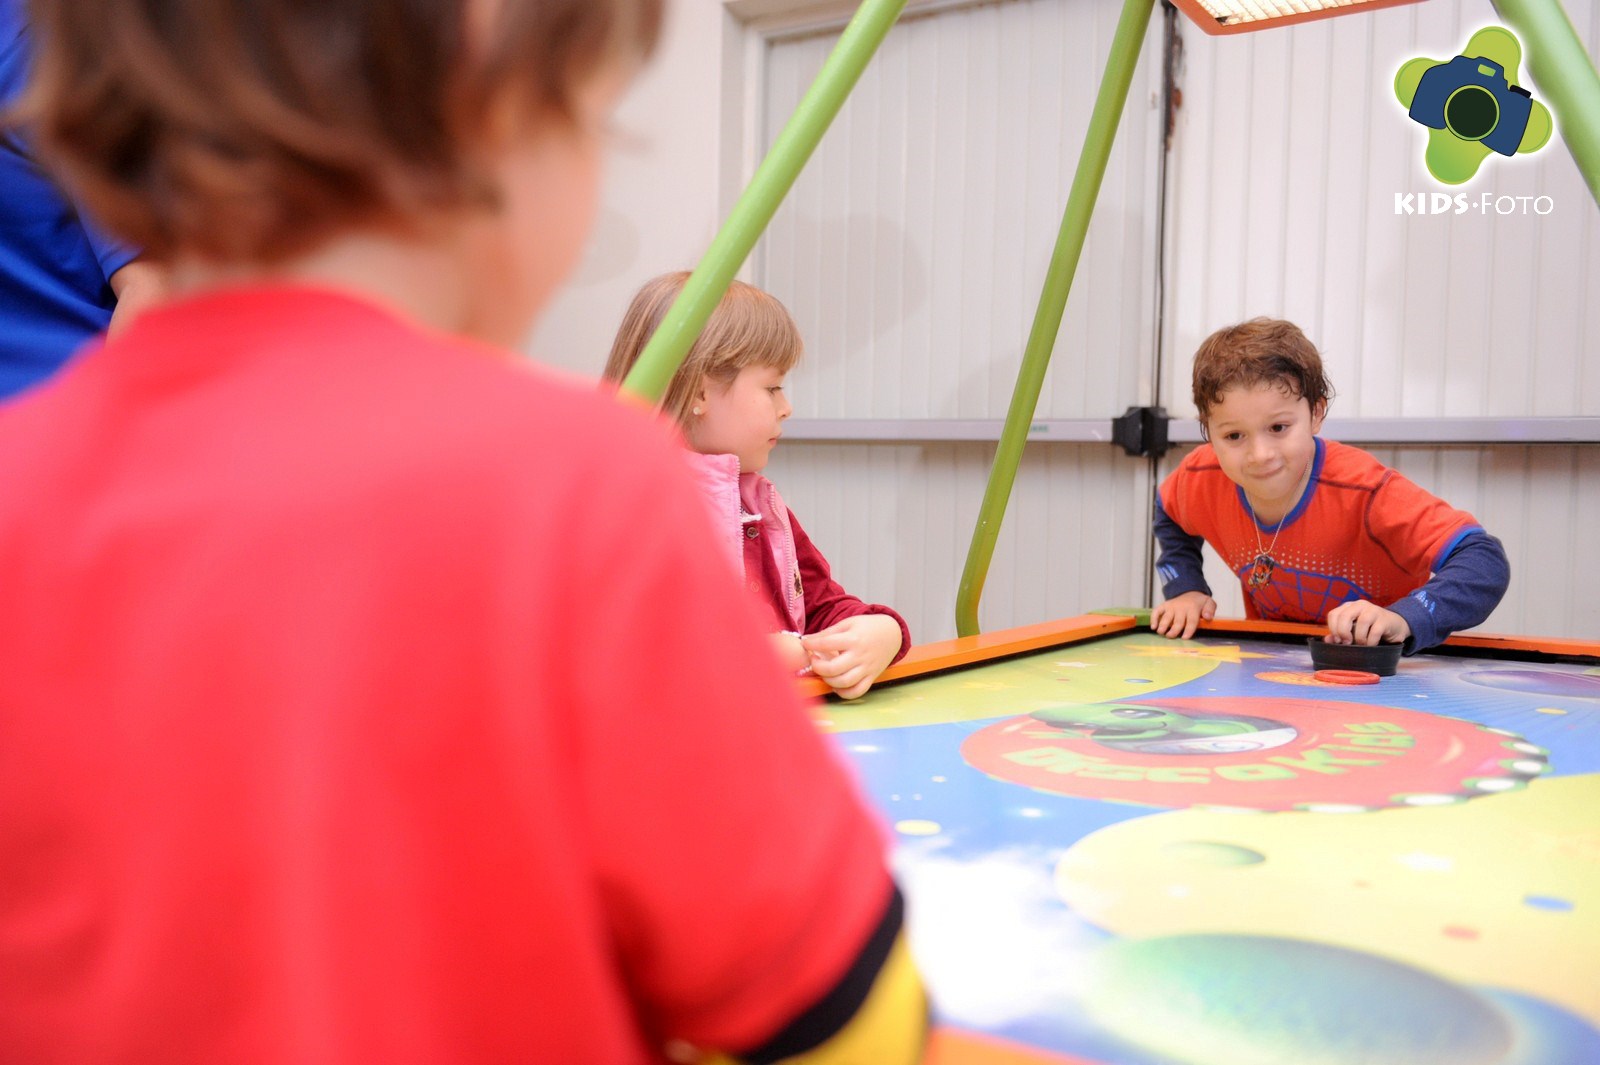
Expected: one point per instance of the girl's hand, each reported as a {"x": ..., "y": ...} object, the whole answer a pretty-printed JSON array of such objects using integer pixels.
[
  {"x": 851, "y": 654},
  {"x": 1178, "y": 618},
  {"x": 1365, "y": 623}
]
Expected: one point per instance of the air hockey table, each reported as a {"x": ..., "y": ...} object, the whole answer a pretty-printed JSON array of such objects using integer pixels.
[{"x": 1119, "y": 848}]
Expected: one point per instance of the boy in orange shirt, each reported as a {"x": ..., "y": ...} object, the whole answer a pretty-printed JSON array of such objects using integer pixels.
[{"x": 1316, "y": 530}]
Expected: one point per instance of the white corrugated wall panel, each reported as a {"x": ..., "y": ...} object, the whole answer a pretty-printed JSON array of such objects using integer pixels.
[
  {"x": 894, "y": 521},
  {"x": 911, "y": 252},
  {"x": 913, "y": 247},
  {"x": 1290, "y": 150}
]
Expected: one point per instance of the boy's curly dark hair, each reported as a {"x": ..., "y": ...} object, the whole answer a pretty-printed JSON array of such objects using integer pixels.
[{"x": 1260, "y": 350}]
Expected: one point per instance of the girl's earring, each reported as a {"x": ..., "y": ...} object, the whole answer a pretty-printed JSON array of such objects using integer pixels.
[{"x": 698, "y": 411}]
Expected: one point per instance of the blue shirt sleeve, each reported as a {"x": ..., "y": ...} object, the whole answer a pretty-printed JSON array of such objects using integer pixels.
[
  {"x": 1180, "y": 565},
  {"x": 111, "y": 253},
  {"x": 1463, "y": 592}
]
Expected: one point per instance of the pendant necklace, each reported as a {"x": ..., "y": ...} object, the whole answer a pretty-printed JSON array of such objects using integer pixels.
[{"x": 1262, "y": 565}]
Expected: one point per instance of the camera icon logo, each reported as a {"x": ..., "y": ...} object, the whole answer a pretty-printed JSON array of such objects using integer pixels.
[
  {"x": 1473, "y": 106},
  {"x": 1470, "y": 97}
]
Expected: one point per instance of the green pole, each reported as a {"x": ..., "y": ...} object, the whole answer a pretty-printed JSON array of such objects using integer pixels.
[
  {"x": 1565, "y": 75},
  {"x": 1052, "y": 303},
  {"x": 759, "y": 202}
]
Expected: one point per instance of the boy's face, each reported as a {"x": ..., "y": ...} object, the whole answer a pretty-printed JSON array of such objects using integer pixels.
[
  {"x": 1263, "y": 437},
  {"x": 744, "y": 419}
]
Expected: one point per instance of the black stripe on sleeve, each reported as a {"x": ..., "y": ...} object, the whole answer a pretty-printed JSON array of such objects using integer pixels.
[{"x": 829, "y": 1015}]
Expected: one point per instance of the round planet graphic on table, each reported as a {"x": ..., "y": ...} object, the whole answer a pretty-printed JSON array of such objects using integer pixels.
[
  {"x": 1538, "y": 682},
  {"x": 1226, "y": 999},
  {"x": 1404, "y": 936},
  {"x": 1254, "y": 752}
]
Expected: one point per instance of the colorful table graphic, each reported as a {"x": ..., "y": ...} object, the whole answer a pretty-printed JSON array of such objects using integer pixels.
[{"x": 1148, "y": 852}]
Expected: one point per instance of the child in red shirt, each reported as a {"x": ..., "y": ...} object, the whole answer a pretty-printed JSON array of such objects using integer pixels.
[
  {"x": 1316, "y": 530},
  {"x": 727, "y": 399},
  {"x": 349, "y": 714}
]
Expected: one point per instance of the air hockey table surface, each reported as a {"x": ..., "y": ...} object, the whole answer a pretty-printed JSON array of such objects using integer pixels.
[{"x": 1119, "y": 848}]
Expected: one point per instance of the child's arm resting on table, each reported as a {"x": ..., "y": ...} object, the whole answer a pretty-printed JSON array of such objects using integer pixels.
[
  {"x": 851, "y": 654},
  {"x": 1183, "y": 582},
  {"x": 1464, "y": 590},
  {"x": 850, "y": 641}
]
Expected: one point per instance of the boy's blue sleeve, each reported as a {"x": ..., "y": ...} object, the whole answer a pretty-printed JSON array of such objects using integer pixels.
[
  {"x": 1463, "y": 591},
  {"x": 1180, "y": 565}
]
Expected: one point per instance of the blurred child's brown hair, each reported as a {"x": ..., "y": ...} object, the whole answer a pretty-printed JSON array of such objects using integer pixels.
[
  {"x": 240, "y": 131},
  {"x": 749, "y": 327},
  {"x": 1262, "y": 350}
]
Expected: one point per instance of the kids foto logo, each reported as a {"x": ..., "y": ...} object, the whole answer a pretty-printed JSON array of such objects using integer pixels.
[
  {"x": 1488, "y": 203},
  {"x": 1472, "y": 106}
]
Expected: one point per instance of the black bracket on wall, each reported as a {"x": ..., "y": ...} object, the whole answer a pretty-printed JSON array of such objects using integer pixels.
[{"x": 1142, "y": 431}]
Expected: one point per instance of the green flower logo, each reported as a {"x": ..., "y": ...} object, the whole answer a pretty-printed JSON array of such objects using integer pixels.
[{"x": 1472, "y": 105}]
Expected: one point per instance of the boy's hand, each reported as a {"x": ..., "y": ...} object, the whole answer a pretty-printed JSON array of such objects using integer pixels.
[
  {"x": 1178, "y": 618},
  {"x": 851, "y": 654},
  {"x": 1365, "y": 623}
]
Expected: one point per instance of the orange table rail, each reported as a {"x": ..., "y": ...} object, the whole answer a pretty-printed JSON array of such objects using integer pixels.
[{"x": 987, "y": 646}]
